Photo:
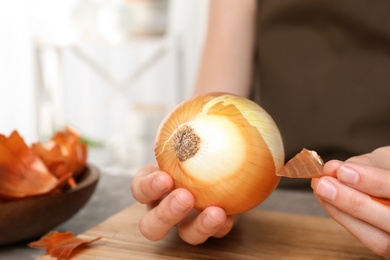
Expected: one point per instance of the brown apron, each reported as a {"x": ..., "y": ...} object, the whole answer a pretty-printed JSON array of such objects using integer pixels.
[
  {"x": 323, "y": 73},
  {"x": 322, "y": 70}
]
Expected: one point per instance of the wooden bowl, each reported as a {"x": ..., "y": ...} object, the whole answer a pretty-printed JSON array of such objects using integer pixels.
[{"x": 31, "y": 218}]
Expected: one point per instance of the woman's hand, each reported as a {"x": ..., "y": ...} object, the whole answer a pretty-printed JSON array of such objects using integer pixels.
[
  {"x": 350, "y": 197},
  {"x": 168, "y": 207}
]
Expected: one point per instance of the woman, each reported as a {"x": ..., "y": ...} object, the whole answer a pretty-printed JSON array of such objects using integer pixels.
[{"x": 321, "y": 69}]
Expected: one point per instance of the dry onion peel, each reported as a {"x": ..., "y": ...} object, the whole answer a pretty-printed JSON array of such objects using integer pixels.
[
  {"x": 42, "y": 168},
  {"x": 61, "y": 245},
  {"x": 308, "y": 164},
  {"x": 223, "y": 148},
  {"x": 22, "y": 173}
]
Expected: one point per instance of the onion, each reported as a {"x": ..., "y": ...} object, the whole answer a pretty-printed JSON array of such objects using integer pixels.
[{"x": 224, "y": 149}]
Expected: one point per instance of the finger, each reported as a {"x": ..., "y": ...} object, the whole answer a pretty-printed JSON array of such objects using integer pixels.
[
  {"x": 352, "y": 202},
  {"x": 148, "y": 186},
  {"x": 199, "y": 228},
  {"x": 372, "y": 237},
  {"x": 367, "y": 179},
  {"x": 147, "y": 169},
  {"x": 331, "y": 167},
  {"x": 378, "y": 158},
  {"x": 381, "y": 157},
  {"x": 156, "y": 223},
  {"x": 230, "y": 223}
]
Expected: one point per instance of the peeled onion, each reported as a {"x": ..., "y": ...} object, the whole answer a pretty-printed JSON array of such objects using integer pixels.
[{"x": 224, "y": 149}]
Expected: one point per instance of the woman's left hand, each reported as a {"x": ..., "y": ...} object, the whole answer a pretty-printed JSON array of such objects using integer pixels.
[{"x": 348, "y": 195}]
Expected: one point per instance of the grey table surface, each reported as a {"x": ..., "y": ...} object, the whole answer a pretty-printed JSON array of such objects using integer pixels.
[{"x": 113, "y": 194}]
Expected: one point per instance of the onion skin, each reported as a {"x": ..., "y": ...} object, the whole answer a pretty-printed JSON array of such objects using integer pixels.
[
  {"x": 306, "y": 164},
  {"x": 235, "y": 162}
]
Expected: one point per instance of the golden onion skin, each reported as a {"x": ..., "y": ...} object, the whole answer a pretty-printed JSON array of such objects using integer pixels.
[{"x": 240, "y": 150}]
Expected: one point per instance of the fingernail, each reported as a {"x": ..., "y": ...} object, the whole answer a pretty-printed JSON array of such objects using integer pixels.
[
  {"x": 209, "y": 222},
  {"x": 348, "y": 175},
  {"x": 326, "y": 190},
  {"x": 178, "y": 205}
]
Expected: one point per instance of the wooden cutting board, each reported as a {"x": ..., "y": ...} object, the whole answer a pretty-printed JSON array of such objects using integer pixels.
[{"x": 259, "y": 235}]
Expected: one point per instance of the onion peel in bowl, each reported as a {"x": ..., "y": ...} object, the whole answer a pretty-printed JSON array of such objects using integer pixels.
[
  {"x": 22, "y": 173},
  {"x": 63, "y": 154},
  {"x": 40, "y": 169},
  {"x": 308, "y": 164}
]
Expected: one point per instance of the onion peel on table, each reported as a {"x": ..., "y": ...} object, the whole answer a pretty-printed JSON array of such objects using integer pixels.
[
  {"x": 60, "y": 245},
  {"x": 42, "y": 168},
  {"x": 308, "y": 164}
]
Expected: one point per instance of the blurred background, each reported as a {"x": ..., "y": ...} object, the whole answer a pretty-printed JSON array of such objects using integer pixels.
[{"x": 111, "y": 69}]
